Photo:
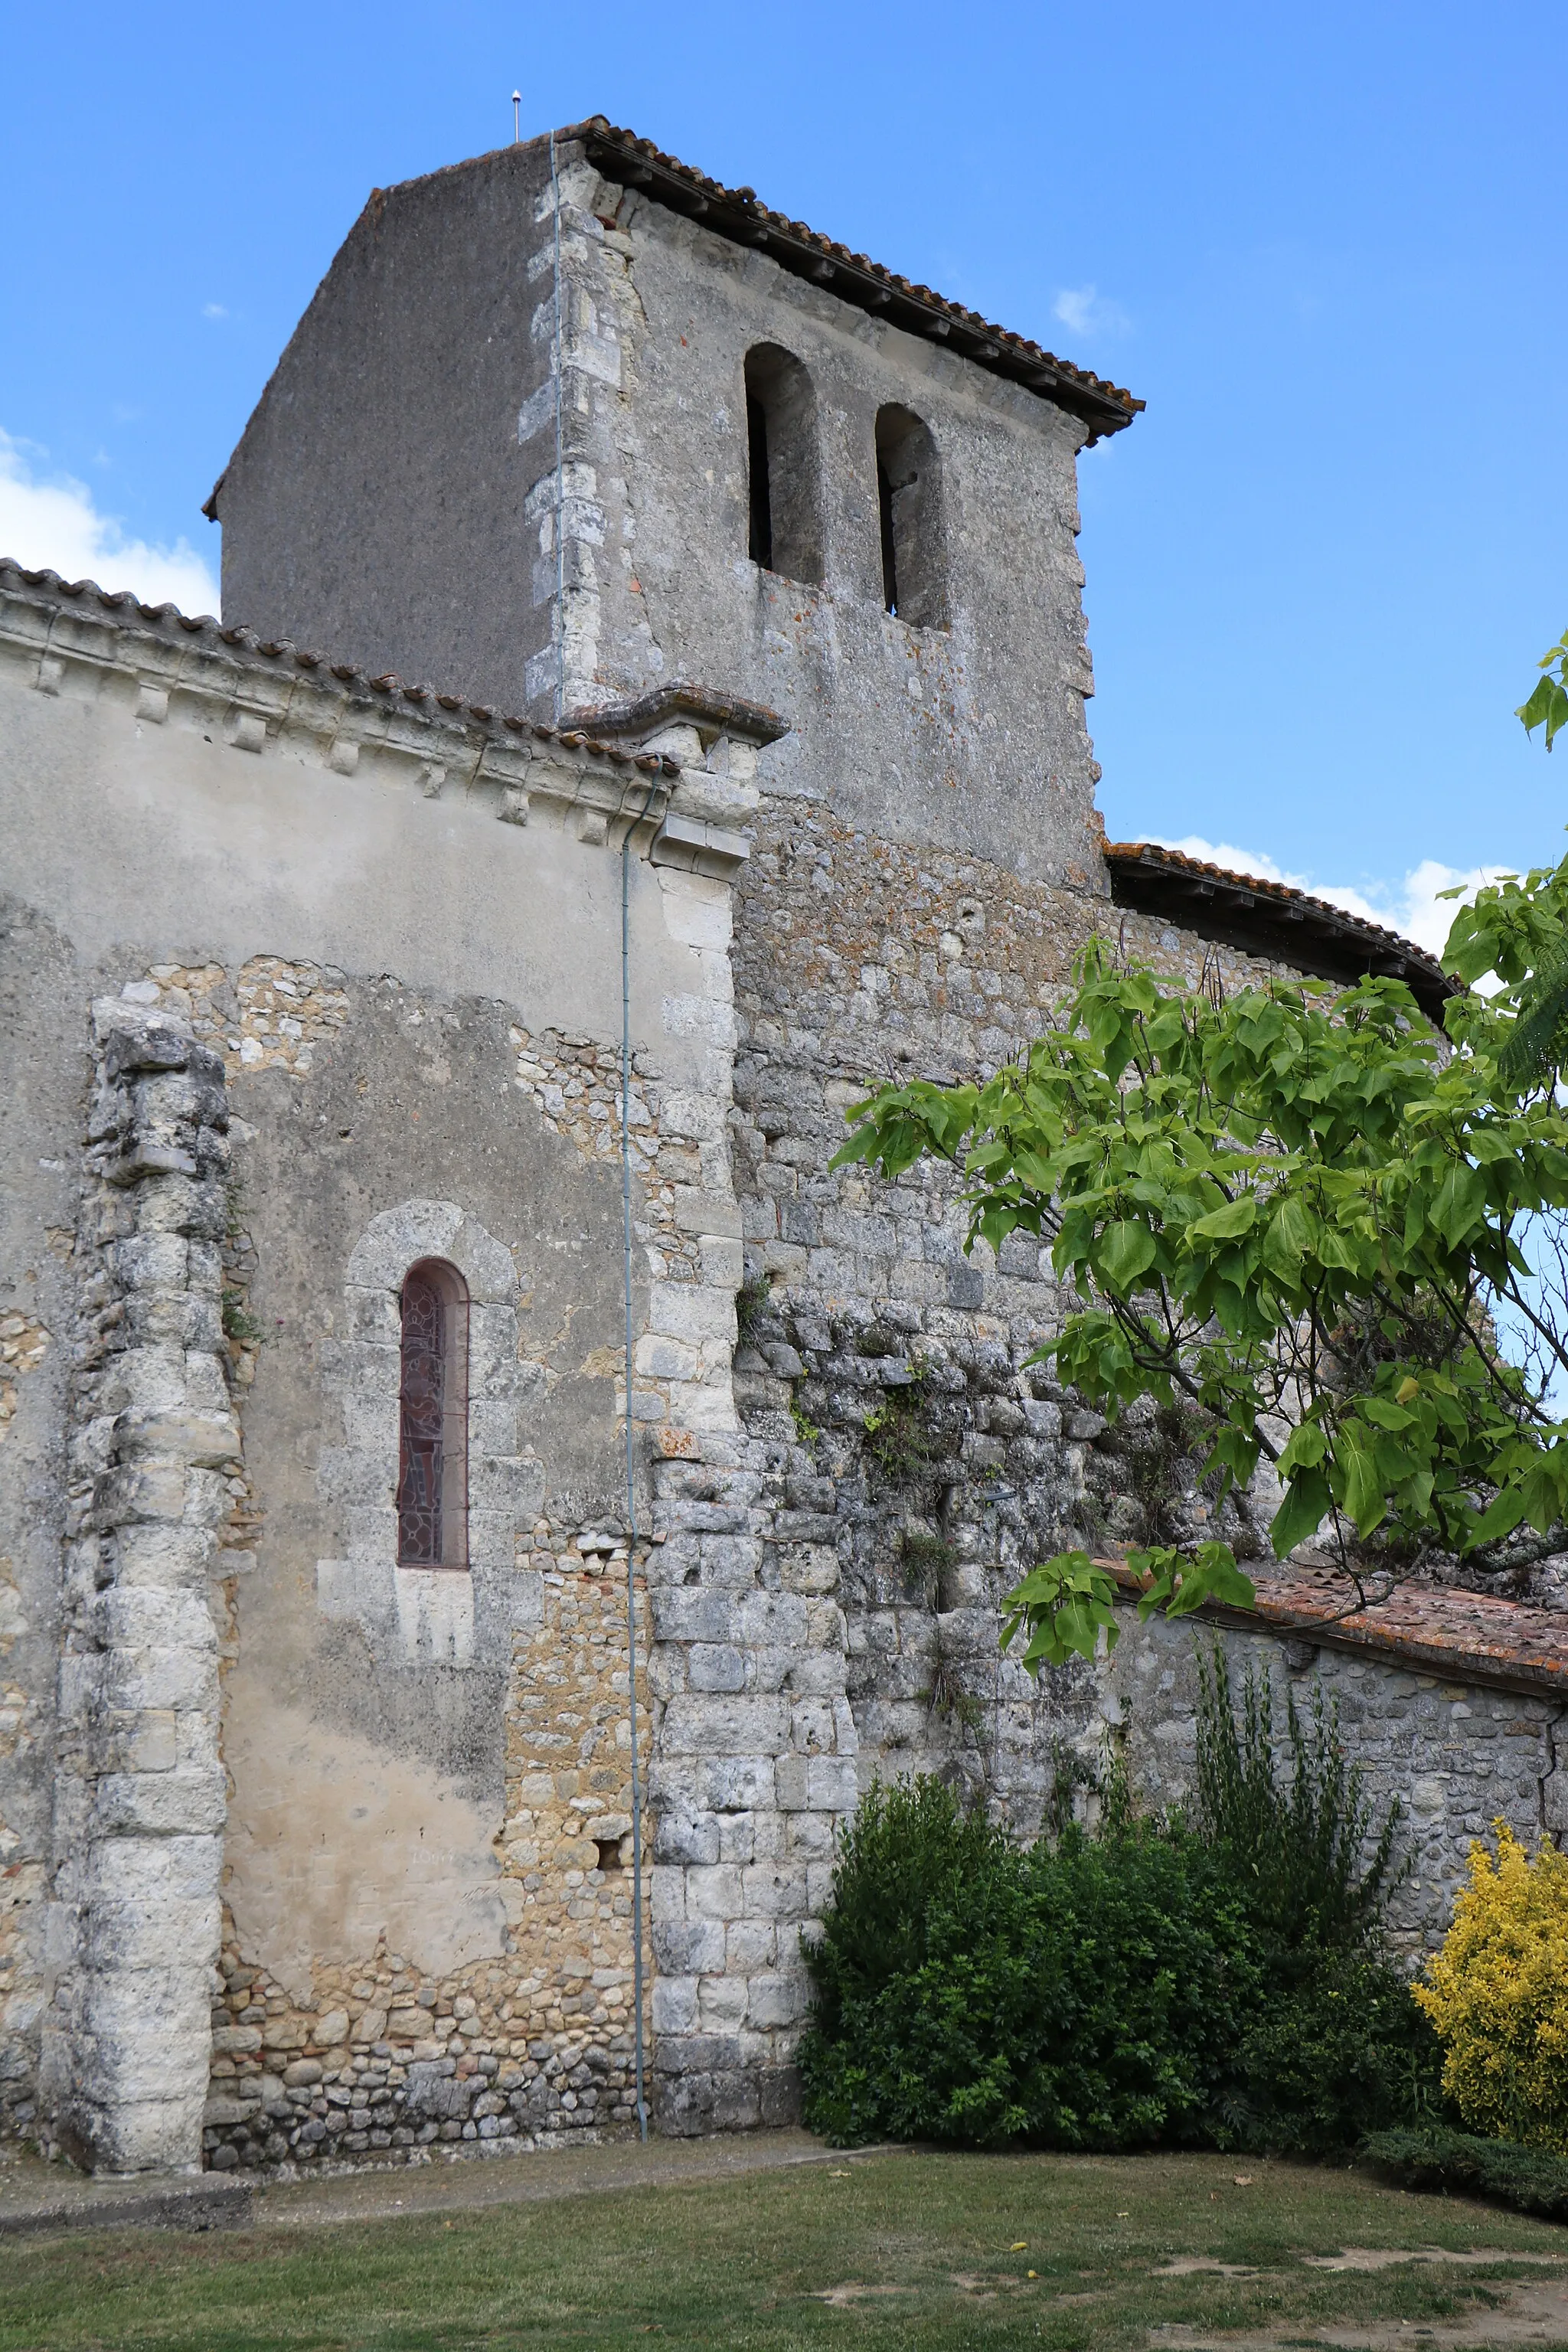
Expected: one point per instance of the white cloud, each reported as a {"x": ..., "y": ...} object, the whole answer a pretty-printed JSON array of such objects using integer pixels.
[
  {"x": 1411, "y": 906},
  {"x": 1083, "y": 312},
  {"x": 49, "y": 522},
  {"x": 213, "y": 310}
]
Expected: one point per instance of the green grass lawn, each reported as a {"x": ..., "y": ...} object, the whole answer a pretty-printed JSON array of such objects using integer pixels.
[{"x": 905, "y": 2252}]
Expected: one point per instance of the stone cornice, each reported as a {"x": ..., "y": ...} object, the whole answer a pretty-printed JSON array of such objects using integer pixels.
[{"x": 162, "y": 668}]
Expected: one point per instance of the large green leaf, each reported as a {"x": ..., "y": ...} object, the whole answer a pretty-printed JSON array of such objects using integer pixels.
[
  {"x": 1227, "y": 1223},
  {"x": 1127, "y": 1249},
  {"x": 1307, "y": 1503}
]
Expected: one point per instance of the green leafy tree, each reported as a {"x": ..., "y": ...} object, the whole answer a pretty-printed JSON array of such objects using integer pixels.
[
  {"x": 1548, "y": 703},
  {"x": 1517, "y": 928},
  {"x": 1305, "y": 1213}
]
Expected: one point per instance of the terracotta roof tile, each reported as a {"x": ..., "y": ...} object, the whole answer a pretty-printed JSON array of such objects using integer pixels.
[
  {"x": 47, "y": 587},
  {"x": 1432, "y": 1629},
  {"x": 1312, "y": 934},
  {"x": 735, "y": 213}
]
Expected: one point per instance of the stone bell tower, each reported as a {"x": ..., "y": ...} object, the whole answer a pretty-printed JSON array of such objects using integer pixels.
[{"x": 569, "y": 423}]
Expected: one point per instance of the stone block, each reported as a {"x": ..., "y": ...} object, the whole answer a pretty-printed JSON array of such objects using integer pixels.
[
  {"x": 661, "y": 1358},
  {"x": 697, "y": 1212},
  {"x": 435, "y": 2091},
  {"x": 152, "y": 1899},
  {"x": 158, "y": 1679},
  {"x": 808, "y": 1567},
  {"x": 189, "y": 1800},
  {"x": 237, "y": 2042},
  {"x": 696, "y": 2053},
  {"x": 751, "y": 1947},
  {"x": 221, "y": 2113},
  {"x": 862, "y": 1236},
  {"x": 182, "y": 1204},
  {"x": 146, "y": 2034},
  {"x": 723, "y": 1266},
  {"x": 812, "y": 1725},
  {"x": 779, "y": 2095},
  {"x": 715, "y": 1667},
  {"x": 721, "y": 2003},
  {"x": 713, "y": 1892},
  {"x": 684, "y": 1835},
  {"x": 774, "y": 1891},
  {"x": 691, "y": 1311},
  {"x": 830, "y": 1783},
  {"x": 138, "y": 1491},
  {"x": 133, "y": 1739},
  {"x": 818, "y": 1674},
  {"x": 701, "y": 1725},
  {"x": 736, "y": 1783},
  {"x": 688, "y": 1947},
  {"x": 162, "y": 1553},
  {"x": 154, "y": 2134},
  {"x": 770, "y": 1620},
  {"x": 772, "y": 2000},
  {"x": 731, "y": 1561},
  {"x": 150, "y": 1260},
  {"x": 674, "y": 2004},
  {"x": 969, "y": 1633}
]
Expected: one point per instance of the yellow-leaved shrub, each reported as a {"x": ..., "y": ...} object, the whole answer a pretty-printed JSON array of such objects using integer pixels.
[{"x": 1498, "y": 1995}]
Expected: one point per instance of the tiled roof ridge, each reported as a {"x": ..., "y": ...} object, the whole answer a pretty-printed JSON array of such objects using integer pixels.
[
  {"x": 1283, "y": 893},
  {"x": 1118, "y": 405},
  {"x": 125, "y": 601}
]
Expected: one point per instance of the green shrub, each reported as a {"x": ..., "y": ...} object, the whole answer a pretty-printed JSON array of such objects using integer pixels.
[
  {"x": 1296, "y": 1851},
  {"x": 1529, "y": 2178},
  {"x": 1336, "y": 2045},
  {"x": 1225, "y": 1983},
  {"x": 1339, "y": 2050},
  {"x": 969, "y": 1991}
]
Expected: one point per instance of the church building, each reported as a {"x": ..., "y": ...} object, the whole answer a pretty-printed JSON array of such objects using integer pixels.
[{"x": 649, "y": 712}]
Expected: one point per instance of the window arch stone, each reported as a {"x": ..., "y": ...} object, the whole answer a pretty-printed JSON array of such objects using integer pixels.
[
  {"x": 433, "y": 1417},
  {"x": 909, "y": 500},
  {"x": 784, "y": 471},
  {"x": 423, "y": 1612}
]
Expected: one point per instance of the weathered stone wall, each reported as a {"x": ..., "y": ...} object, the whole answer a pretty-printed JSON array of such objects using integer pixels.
[
  {"x": 940, "y": 1465},
  {"x": 412, "y": 1022},
  {"x": 42, "y": 1015},
  {"x": 907, "y": 1464},
  {"x": 1457, "y": 1756},
  {"x": 382, "y": 2061}
]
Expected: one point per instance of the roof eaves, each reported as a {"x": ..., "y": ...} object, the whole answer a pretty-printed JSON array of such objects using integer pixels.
[
  {"x": 47, "y": 587},
  {"x": 1455, "y": 1634},
  {"x": 736, "y": 214},
  {"x": 1262, "y": 903}
]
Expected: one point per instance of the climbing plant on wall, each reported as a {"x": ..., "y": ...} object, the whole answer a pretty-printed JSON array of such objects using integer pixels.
[{"x": 1340, "y": 1236}]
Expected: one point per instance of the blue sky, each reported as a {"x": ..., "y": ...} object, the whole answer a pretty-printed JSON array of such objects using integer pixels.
[{"x": 1323, "y": 243}]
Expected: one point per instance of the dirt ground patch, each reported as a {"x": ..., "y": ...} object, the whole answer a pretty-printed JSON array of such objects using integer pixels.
[{"x": 1531, "y": 2313}]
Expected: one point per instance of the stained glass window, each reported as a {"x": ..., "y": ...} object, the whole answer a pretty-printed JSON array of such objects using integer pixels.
[{"x": 433, "y": 1415}]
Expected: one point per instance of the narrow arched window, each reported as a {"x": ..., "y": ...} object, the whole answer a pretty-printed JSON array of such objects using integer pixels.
[
  {"x": 433, "y": 1419},
  {"x": 782, "y": 472},
  {"x": 909, "y": 500}
]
